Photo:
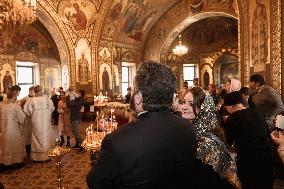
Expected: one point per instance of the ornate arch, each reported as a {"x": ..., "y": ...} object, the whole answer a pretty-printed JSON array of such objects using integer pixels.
[
  {"x": 184, "y": 24},
  {"x": 56, "y": 34},
  {"x": 157, "y": 49}
]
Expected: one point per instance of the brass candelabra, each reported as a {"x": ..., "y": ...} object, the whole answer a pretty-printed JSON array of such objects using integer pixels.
[{"x": 58, "y": 152}]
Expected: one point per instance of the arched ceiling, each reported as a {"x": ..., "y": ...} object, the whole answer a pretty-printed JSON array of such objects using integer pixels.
[
  {"x": 135, "y": 18},
  {"x": 210, "y": 34},
  {"x": 33, "y": 40}
]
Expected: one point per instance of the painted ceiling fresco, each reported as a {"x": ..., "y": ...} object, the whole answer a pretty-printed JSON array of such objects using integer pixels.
[
  {"x": 34, "y": 39},
  {"x": 210, "y": 34},
  {"x": 136, "y": 17}
]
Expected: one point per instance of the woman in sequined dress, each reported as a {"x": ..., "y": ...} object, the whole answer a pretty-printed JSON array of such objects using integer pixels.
[{"x": 199, "y": 108}]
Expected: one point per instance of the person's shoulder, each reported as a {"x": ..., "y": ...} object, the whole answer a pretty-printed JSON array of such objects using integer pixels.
[
  {"x": 268, "y": 89},
  {"x": 176, "y": 117},
  {"x": 122, "y": 132},
  {"x": 17, "y": 106}
]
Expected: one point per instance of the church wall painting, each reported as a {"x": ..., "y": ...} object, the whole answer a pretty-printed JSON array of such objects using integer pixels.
[
  {"x": 77, "y": 13},
  {"x": 115, "y": 80},
  {"x": 51, "y": 78},
  {"x": 65, "y": 77},
  {"x": 259, "y": 35},
  {"x": 206, "y": 68},
  {"x": 105, "y": 78},
  {"x": 83, "y": 62},
  {"x": 7, "y": 81},
  {"x": 137, "y": 16},
  {"x": 228, "y": 71},
  {"x": 34, "y": 39}
]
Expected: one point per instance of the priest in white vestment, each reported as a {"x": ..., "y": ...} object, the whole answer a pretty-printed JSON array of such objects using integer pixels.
[
  {"x": 40, "y": 108},
  {"x": 28, "y": 121},
  {"x": 12, "y": 145}
]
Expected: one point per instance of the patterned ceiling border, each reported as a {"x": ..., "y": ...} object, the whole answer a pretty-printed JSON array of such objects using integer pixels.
[{"x": 276, "y": 44}]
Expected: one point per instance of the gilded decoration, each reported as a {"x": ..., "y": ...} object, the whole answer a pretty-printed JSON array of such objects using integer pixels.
[
  {"x": 7, "y": 63},
  {"x": 142, "y": 30},
  {"x": 83, "y": 61},
  {"x": 210, "y": 62},
  {"x": 166, "y": 30},
  {"x": 105, "y": 54},
  {"x": 276, "y": 44},
  {"x": 64, "y": 19},
  {"x": 244, "y": 40}
]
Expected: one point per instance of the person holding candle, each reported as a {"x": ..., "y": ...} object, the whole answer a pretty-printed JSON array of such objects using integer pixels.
[{"x": 159, "y": 149}]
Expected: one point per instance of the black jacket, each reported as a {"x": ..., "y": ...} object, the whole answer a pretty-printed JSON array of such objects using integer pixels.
[
  {"x": 75, "y": 107},
  {"x": 156, "y": 151}
]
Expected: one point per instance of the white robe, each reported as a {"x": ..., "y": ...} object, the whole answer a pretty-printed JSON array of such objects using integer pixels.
[
  {"x": 40, "y": 109},
  {"x": 12, "y": 145},
  {"x": 28, "y": 122}
]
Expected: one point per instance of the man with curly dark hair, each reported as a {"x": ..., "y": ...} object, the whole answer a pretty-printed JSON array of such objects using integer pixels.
[{"x": 156, "y": 151}]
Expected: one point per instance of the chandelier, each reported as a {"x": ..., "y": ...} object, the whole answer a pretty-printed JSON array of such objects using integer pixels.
[
  {"x": 17, "y": 11},
  {"x": 180, "y": 49}
]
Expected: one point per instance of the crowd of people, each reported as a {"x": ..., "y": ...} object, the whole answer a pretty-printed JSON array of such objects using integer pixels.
[
  {"x": 187, "y": 142},
  {"x": 26, "y": 125},
  {"x": 180, "y": 139}
]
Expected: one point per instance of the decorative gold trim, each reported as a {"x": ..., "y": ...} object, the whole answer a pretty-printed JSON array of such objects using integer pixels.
[{"x": 276, "y": 44}]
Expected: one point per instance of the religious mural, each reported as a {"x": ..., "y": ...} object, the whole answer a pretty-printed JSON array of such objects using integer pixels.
[
  {"x": 78, "y": 13},
  {"x": 115, "y": 80},
  {"x": 105, "y": 54},
  {"x": 65, "y": 77},
  {"x": 105, "y": 78},
  {"x": 220, "y": 32},
  {"x": 7, "y": 77},
  {"x": 33, "y": 38},
  {"x": 225, "y": 68},
  {"x": 259, "y": 36},
  {"x": 83, "y": 61},
  {"x": 228, "y": 71},
  {"x": 177, "y": 18},
  {"x": 51, "y": 75},
  {"x": 206, "y": 73},
  {"x": 137, "y": 16}
]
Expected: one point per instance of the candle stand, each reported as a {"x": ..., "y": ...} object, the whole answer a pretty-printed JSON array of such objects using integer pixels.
[{"x": 58, "y": 152}]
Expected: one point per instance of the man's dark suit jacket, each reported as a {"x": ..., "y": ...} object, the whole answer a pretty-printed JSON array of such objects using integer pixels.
[{"x": 155, "y": 152}]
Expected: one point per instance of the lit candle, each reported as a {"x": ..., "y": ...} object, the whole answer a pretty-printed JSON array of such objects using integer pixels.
[
  {"x": 106, "y": 93},
  {"x": 111, "y": 111},
  {"x": 91, "y": 128},
  {"x": 88, "y": 135},
  {"x": 97, "y": 124}
]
